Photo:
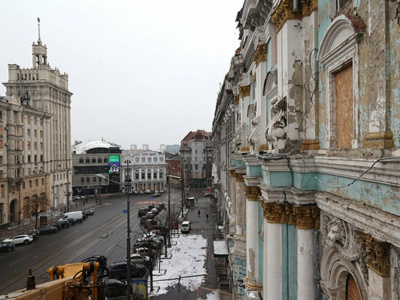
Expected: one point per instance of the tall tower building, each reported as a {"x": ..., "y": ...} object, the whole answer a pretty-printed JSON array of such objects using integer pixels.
[{"x": 46, "y": 89}]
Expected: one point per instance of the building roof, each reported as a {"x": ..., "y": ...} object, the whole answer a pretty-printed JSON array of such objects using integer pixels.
[{"x": 85, "y": 146}]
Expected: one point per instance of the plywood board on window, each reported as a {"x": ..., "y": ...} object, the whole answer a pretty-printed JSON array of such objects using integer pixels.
[{"x": 344, "y": 107}]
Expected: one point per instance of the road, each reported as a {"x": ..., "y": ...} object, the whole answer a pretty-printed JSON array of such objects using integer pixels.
[{"x": 104, "y": 233}]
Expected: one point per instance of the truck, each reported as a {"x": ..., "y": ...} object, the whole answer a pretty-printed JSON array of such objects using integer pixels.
[{"x": 76, "y": 215}]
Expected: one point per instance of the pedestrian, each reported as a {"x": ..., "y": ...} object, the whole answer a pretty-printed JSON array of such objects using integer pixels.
[
  {"x": 207, "y": 217},
  {"x": 198, "y": 213}
]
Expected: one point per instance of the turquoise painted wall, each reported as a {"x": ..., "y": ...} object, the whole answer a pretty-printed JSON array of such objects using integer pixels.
[
  {"x": 254, "y": 171},
  {"x": 289, "y": 262}
]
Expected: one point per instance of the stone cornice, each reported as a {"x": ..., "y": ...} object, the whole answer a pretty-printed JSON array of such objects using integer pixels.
[
  {"x": 261, "y": 54},
  {"x": 381, "y": 225},
  {"x": 378, "y": 254}
]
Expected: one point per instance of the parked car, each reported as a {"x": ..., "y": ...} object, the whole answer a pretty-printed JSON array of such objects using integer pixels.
[
  {"x": 185, "y": 227},
  {"x": 20, "y": 239},
  {"x": 144, "y": 251},
  {"x": 150, "y": 207},
  {"x": 162, "y": 205},
  {"x": 89, "y": 212},
  {"x": 64, "y": 223},
  {"x": 142, "y": 211},
  {"x": 143, "y": 220},
  {"x": 76, "y": 198},
  {"x": 33, "y": 233},
  {"x": 117, "y": 270},
  {"x": 56, "y": 225},
  {"x": 154, "y": 211},
  {"x": 157, "y": 194},
  {"x": 84, "y": 215},
  {"x": 71, "y": 221},
  {"x": 149, "y": 215},
  {"x": 7, "y": 246},
  {"x": 76, "y": 215},
  {"x": 138, "y": 259},
  {"x": 147, "y": 192},
  {"x": 140, "y": 192},
  {"x": 116, "y": 288},
  {"x": 47, "y": 229}
]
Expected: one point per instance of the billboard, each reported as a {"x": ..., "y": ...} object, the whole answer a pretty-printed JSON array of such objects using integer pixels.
[{"x": 113, "y": 164}]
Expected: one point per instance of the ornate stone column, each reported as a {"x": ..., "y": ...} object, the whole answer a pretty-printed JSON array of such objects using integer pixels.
[
  {"x": 240, "y": 204},
  {"x": 275, "y": 213},
  {"x": 252, "y": 195},
  {"x": 265, "y": 253},
  {"x": 307, "y": 219},
  {"x": 232, "y": 188}
]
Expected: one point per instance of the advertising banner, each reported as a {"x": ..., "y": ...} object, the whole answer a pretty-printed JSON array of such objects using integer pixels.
[{"x": 113, "y": 164}]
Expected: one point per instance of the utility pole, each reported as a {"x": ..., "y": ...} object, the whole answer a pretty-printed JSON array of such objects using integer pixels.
[
  {"x": 128, "y": 235},
  {"x": 183, "y": 182}
]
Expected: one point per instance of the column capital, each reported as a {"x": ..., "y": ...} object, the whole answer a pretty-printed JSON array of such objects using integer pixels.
[
  {"x": 260, "y": 54},
  {"x": 253, "y": 193},
  {"x": 274, "y": 213},
  {"x": 239, "y": 177},
  {"x": 307, "y": 216},
  {"x": 244, "y": 91},
  {"x": 378, "y": 254}
]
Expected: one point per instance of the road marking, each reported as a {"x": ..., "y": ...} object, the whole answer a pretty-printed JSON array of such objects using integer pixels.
[{"x": 20, "y": 259}]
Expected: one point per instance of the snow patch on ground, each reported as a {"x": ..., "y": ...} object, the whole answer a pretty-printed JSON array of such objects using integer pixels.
[{"x": 188, "y": 255}]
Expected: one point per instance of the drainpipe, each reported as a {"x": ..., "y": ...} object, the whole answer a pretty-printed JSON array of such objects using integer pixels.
[{"x": 296, "y": 5}]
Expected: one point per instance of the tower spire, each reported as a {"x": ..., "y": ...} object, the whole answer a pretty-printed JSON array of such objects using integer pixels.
[{"x": 38, "y": 19}]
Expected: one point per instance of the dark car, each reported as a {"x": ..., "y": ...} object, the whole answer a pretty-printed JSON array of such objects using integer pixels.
[
  {"x": 64, "y": 223},
  {"x": 47, "y": 229},
  {"x": 142, "y": 212},
  {"x": 56, "y": 225},
  {"x": 116, "y": 288},
  {"x": 118, "y": 270},
  {"x": 7, "y": 246},
  {"x": 71, "y": 221},
  {"x": 89, "y": 212},
  {"x": 143, "y": 220}
]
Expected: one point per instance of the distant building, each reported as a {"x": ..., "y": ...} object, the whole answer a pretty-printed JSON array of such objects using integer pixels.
[
  {"x": 196, "y": 150},
  {"x": 146, "y": 170},
  {"x": 173, "y": 167},
  {"x": 172, "y": 148},
  {"x": 90, "y": 159},
  {"x": 35, "y": 158}
]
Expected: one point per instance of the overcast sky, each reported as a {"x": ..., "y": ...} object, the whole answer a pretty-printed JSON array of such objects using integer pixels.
[{"x": 141, "y": 72}]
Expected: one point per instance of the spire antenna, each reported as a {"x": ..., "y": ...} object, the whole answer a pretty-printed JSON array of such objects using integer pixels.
[{"x": 38, "y": 19}]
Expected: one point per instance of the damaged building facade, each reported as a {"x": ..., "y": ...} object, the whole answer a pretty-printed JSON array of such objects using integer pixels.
[{"x": 306, "y": 137}]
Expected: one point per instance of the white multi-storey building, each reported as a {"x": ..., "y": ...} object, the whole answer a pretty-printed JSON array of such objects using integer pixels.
[{"x": 146, "y": 170}]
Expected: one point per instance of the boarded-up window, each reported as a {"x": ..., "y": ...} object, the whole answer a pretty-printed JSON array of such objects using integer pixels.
[
  {"x": 344, "y": 107},
  {"x": 352, "y": 292}
]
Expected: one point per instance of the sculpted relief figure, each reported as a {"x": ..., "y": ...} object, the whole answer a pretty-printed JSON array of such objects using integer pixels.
[
  {"x": 235, "y": 143},
  {"x": 254, "y": 139},
  {"x": 276, "y": 129}
]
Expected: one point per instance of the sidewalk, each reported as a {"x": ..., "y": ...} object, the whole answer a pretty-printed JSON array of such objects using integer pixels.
[
  {"x": 203, "y": 287},
  {"x": 29, "y": 224}
]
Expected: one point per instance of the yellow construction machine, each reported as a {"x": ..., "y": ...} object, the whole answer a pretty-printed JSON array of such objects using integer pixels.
[{"x": 75, "y": 281}]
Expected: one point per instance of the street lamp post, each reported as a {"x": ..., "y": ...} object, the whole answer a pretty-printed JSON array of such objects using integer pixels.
[
  {"x": 128, "y": 232},
  {"x": 169, "y": 211}
]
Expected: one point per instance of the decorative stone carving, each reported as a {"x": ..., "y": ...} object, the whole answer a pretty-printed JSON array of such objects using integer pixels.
[
  {"x": 253, "y": 193},
  {"x": 254, "y": 139},
  {"x": 285, "y": 12},
  {"x": 276, "y": 129},
  {"x": 307, "y": 217},
  {"x": 236, "y": 99},
  {"x": 235, "y": 142},
  {"x": 239, "y": 177},
  {"x": 244, "y": 91},
  {"x": 378, "y": 254},
  {"x": 334, "y": 234},
  {"x": 291, "y": 218},
  {"x": 274, "y": 212},
  {"x": 261, "y": 54}
]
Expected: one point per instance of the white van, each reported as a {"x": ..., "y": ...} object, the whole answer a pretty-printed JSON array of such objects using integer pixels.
[
  {"x": 185, "y": 227},
  {"x": 76, "y": 215}
]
